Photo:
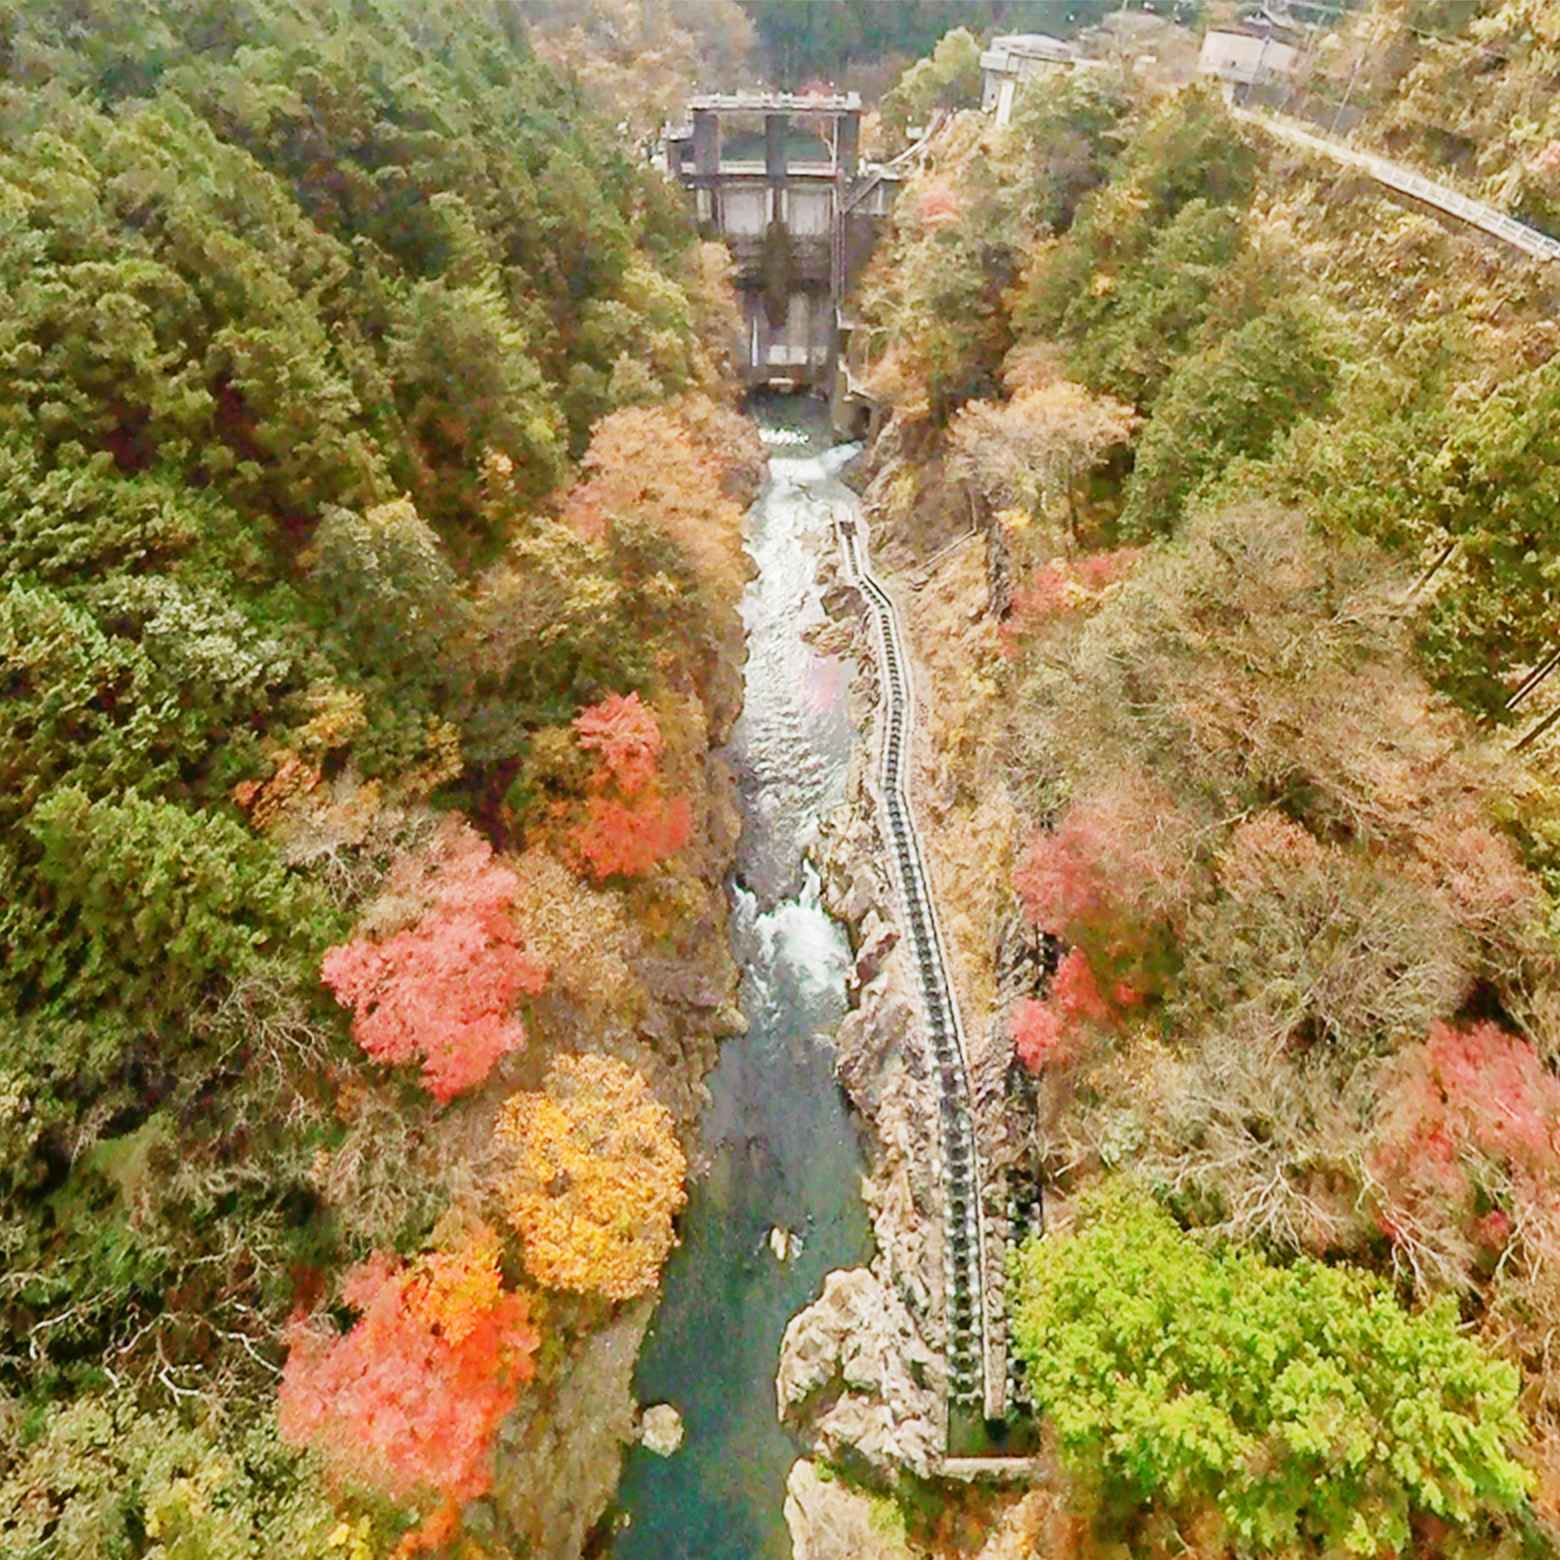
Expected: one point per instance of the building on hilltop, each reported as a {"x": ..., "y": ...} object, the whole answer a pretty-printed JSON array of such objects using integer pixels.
[
  {"x": 1017, "y": 57},
  {"x": 1257, "y": 51}
]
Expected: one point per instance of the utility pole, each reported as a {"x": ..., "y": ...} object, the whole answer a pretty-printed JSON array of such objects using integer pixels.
[{"x": 1359, "y": 59}]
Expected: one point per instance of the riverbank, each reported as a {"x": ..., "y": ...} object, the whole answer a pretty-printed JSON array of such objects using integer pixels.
[{"x": 864, "y": 1374}]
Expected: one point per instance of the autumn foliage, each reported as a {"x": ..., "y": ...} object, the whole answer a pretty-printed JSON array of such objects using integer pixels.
[
  {"x": 1050, "y": 1033},
  {"x": 442, "y": 990},
  {"x": 1034, "y": 451},
  {"x": 408, "y": 1400},
  {"x": 620, "y": 839},
  {"x": 625, "y": 735},
  {"x": 1110, "y": 878},
  {"x": 938, "y": 204},
  {"x": 667, "y": 469},
  {"x": 1112, "y": 881},
  {"x": 630, "y": 825},
  {"x": 1063, "y": 587},
  {"x": 597, "y": 1178},
  {"x": 1470, "y": 1137}
]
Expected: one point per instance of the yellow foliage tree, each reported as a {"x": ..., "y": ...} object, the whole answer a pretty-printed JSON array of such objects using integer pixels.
[
  {"x": 668, "y": 467},
  {"x": 597, "y": 1178}
]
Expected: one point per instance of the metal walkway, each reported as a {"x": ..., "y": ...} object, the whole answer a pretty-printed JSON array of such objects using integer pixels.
[
  {"x": 977, "y": 1374},
  {"x": 1404, "y": 180}
]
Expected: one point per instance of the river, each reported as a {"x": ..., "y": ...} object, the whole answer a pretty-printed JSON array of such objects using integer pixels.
[{"x": 777, "y": 1139}]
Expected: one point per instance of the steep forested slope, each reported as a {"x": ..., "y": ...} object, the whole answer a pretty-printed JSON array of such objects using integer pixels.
[
  {"x": 1296, "y": 897},
  {"x": 1464, "y": 89},
  {"x": 324, "y": 656}
]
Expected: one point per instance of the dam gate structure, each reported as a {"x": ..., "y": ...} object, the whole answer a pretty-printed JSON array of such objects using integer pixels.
[{"x": 779, "y": 177}]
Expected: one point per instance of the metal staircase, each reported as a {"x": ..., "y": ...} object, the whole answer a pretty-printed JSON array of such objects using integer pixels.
[{"x": 976, "y": 1373}]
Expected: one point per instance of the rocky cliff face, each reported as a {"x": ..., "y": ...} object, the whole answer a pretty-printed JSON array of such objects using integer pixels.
[
  {"x": 560, "y": 1453},
  {"x": 854, "y": 1373},
  {"x": 832, "y": 1520},
  {"x": 829, "y": 1520}
]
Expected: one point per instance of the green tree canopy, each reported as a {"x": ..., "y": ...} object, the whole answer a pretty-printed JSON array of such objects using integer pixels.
[{"x": 1300, "y": 1403}]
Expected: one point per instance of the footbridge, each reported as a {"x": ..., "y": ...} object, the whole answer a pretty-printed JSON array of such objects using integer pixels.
[{"x": 974, "y": 1246}]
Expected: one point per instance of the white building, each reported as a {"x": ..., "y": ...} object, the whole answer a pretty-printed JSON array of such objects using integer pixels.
[
  {"x": 1019, "y": 57},
  {"x": 1249, "y": 54}
]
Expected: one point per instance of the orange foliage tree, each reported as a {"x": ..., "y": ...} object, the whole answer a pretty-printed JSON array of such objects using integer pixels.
[
  {"x": 620, "y": 839},
  {"x": 655, "y": 466},
  {"x": 597, "y": 1178},
  {"x": 408, "y": 1400},
  {"x": 443, "y": 988}
]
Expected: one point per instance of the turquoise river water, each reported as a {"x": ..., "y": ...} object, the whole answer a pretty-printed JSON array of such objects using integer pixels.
[{"x": 780, "y": 1145}]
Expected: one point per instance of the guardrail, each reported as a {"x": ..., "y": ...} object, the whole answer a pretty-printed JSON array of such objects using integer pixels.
[
  {"x": 1407, "y": 182},
  {"x": 975, "y": 1369}
]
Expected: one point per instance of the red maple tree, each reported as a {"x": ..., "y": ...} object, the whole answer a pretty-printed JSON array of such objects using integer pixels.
[
  {"x": 442, "y": 990},
  {"x": 1112, "y": 878},
  {"x": 1473, "y": 1120},
  {"x": 408, "y": 1400},
  {"x": 625, "y": 735}
]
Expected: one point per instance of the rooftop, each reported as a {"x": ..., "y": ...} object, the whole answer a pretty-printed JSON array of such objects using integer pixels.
[
  {"x": 776, "y": 103},
  {"x": 1035, "y": 45}
]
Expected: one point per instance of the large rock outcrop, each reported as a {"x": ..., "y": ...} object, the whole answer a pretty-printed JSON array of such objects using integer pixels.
[
  {"x": 831, "y": 1521},
  {"x": 854, "y": 1373}
]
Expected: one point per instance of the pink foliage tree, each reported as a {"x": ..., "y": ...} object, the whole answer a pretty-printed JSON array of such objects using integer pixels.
[
  {"x": 1471, "y": 1130},
  {"x": 1052, "y": 1032},
  {"x": 1112, "y": 878},
  {"x": 625, "y": 735},
  {"x": 938, "y": 204},
  {"x": 1062, "y": 588},
  {"x": 443, "y": 989},
  {"x": 630, "y": 825}
]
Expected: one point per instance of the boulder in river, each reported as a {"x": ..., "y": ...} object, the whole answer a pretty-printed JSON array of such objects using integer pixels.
[{"x": 661, "y": 1429}]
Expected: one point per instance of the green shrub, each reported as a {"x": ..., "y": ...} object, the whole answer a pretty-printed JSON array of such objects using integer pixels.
[{"x": 1232, "y": 399}]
